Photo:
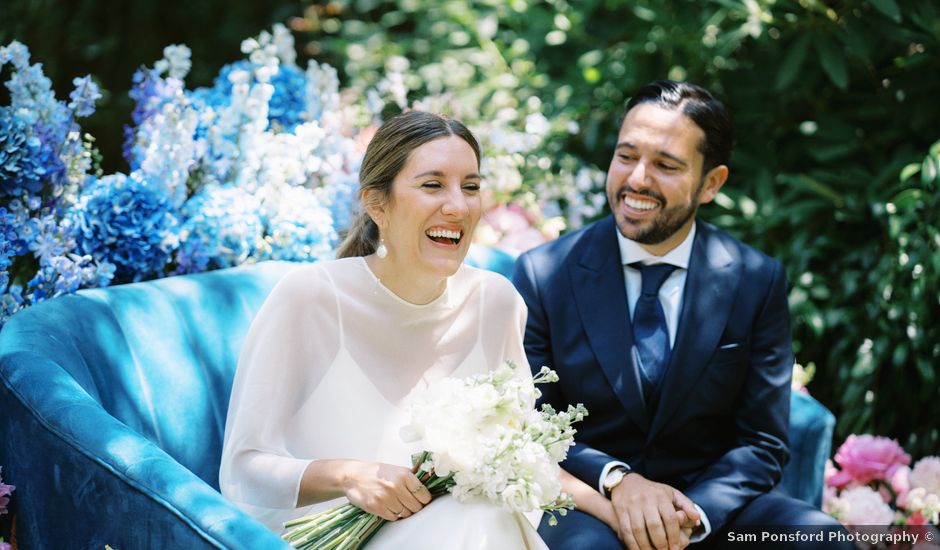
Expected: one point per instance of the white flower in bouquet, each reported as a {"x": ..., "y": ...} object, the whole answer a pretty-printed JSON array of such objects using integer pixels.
[
  {"x": 926, "y": 505},
  {"x": 926, "y": 474},
  {"x": 863, "y": 506}
]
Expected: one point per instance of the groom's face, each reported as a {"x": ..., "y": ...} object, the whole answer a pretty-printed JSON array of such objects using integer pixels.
[{"x": 655, "y": 182}]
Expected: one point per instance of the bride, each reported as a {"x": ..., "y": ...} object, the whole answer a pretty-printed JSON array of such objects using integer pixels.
[{"x": 317, "y": 401}]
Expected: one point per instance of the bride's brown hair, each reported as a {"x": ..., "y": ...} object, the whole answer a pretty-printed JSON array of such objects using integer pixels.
[{"x": 385, "y": 157}]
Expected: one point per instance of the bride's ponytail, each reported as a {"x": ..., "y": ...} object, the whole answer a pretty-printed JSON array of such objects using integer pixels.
[{"x": 362, "y": 239}]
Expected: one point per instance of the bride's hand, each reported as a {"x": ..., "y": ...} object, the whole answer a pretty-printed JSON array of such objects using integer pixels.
[{"x": 390, "y": 492}]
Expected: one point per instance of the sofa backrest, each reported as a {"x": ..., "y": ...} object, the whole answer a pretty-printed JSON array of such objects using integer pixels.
[{"x": 159, "y": 356}]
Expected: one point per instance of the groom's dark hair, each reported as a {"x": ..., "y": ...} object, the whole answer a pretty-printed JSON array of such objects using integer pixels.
[{"x": 702, "y": 108}]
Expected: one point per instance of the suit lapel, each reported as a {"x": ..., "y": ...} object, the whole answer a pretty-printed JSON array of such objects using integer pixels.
[
  {"x": 601, "y": 297},
  {"x": 709, "y": 292}
]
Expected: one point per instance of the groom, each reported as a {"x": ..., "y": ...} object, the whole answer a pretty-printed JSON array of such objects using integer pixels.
[{"x": 674, "y": 335}]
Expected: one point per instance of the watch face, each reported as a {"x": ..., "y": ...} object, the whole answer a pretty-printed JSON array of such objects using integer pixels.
[{"x": 613, "y": 478}]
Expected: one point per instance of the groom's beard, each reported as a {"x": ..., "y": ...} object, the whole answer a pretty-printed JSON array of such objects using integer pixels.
[{"x": 667, "y": 223}]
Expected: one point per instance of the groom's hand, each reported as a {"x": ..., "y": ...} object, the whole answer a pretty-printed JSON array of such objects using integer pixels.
[{"x": 651, "y": 514}]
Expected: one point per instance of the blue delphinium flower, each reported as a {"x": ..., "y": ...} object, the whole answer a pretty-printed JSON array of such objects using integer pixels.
[
  {"x": 150, "y": 93},
  {"x": 223, "y": 228},
  {"x": 83, "y": 97},
  {"x": 287, "y": 105},
  {"x": 127, "y": 222}
]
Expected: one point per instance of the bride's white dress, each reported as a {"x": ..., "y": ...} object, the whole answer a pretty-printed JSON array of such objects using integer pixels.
[{"x": 325, "y": 369}]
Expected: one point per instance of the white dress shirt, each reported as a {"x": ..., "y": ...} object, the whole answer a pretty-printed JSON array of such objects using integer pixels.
[{"x": 670, "y": 296}]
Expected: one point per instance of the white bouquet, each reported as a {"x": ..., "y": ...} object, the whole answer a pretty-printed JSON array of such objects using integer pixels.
[{"x": 482, "y": 437}]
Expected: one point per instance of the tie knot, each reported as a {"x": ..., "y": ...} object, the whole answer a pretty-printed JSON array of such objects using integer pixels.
[{"x": 653, "y": 276}]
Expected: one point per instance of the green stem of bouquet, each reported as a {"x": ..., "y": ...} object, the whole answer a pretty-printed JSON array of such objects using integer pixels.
[
  {"x": 349, "y": 527},
  {"x": 320, "y": 528}
]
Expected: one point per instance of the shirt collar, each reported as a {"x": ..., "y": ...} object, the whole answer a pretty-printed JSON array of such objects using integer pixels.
[{"x": 631, "y": 251}]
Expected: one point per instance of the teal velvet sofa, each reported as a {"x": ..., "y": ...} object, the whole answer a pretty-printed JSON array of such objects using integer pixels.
[{"x": 113, "y": 403}]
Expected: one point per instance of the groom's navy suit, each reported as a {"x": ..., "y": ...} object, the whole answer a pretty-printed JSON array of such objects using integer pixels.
[{"x": 716, "y": 426}]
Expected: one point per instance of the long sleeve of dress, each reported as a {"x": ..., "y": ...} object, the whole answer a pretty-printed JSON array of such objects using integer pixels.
[{"x": 291, "y": 342}]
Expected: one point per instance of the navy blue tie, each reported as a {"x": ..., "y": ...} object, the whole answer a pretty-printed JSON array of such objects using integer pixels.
[{"x": 650, "y": 333}]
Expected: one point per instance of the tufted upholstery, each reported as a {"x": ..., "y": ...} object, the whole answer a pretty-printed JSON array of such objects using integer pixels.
[{"x": 114, "y": 401}]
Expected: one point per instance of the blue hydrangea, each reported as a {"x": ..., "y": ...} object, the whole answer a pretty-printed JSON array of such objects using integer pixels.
[
  {"x": 126, "y": 222},
  {"x": 343, "y": 190},
  {"x": 299, "y": 226},
  {"x": 8, "y": 246},
  {"x": 223, "y": 228},
  {"x": 22, "y": 167}
]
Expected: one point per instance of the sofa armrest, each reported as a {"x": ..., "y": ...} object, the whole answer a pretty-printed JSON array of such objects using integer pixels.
[
  {"x": 810, "y": 432},
  {"x": 84, "y": 479}
]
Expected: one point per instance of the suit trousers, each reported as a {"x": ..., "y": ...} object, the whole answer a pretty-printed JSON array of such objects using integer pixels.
[{"x": 787, "y": 522}]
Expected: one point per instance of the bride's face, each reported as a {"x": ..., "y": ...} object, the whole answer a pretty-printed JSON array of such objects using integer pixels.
[{"x": 434, "y": 207}]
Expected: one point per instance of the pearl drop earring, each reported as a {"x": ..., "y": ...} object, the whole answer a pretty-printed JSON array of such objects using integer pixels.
[{"x": 381, "y": 251}]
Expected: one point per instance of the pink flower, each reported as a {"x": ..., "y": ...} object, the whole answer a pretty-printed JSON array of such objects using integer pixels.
[
  {"x": 901, "y": 484},
  {"x": 517, "y": 243},
  {"x": 5, "y": 491},
  {"x": 512, "y": 229},
  {"x": 507, "y": 218},
  {"x": 833, "y": 477},
  {"x": 867, "y": 458},
  {"x": 926, "y": 474}
]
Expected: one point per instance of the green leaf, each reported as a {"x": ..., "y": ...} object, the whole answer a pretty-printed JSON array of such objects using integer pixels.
[
  {"x": 909, "y": 198},
  {"x": 889, "y": 8},
  {"x": 791, "y": 64},
  {"x": 833, "y": 60},
  {"x": 931, "y": 169},
  {"x": 828, "y": 152},
  {"x": 909, "y": 171}
]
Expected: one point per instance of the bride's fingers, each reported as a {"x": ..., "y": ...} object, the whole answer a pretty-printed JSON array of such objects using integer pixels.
[
  {"x": 421, "y": 493},
  {"x": 387, "y": 513},
  {"x": 409, "y": 498},
  {"x": 395, "y": 516}
]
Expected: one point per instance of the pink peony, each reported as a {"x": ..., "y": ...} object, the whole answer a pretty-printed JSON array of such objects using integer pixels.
[
  {"x": 864, "y": 506},
  {"x": 833, "y": 477},
  {"x": 867, "y": 458},
  {"x": 926, "y": 474}
]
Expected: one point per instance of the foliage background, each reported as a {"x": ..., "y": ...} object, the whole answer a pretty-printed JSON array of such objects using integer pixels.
[{"x": 835, "y": 105}]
